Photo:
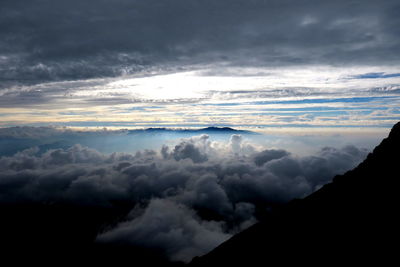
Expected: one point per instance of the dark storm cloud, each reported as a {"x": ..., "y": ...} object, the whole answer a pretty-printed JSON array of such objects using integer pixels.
[
  {"x": 186, "y": 199},
  {"x": 44, "y": 40}
]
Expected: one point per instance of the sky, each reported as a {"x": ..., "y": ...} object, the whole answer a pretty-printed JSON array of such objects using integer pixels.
[
  {"x": 316, "y": 82},
  {"x": 175, "y": 63}
]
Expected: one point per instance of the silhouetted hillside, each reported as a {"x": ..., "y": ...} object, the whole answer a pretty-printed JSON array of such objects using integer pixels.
[
  {"x": 50, "y": 234},
  {"x": 351, "y": 220}
]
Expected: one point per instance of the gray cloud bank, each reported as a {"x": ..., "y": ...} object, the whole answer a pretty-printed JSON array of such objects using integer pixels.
[
  {"x": 44, "y": 40},
  {"x": 187, "y": 199}
]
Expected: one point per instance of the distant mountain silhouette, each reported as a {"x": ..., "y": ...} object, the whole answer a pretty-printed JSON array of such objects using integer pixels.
[
  {"x": 208, "y": 130},
  {"x": 352, "y": 220}
]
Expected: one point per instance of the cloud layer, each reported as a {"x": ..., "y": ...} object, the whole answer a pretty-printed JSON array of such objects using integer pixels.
[
  {"x": 186, "y": 199},
  {"x": 47, "y": 40}
]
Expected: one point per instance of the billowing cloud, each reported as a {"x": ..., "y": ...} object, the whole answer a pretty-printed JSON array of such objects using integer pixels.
[
  {"x": 185, "y": 199},
  {"x": 268, "y": 155},
  {"x": 171, "y": 228},
  {"x": 194, "y": 149}
]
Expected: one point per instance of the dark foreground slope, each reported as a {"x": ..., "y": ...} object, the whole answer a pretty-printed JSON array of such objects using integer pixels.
[
  {"x": 351, "y": 220},
  {"x": 63, "y": 235}
]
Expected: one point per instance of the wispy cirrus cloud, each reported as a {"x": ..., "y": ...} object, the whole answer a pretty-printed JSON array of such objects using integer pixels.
[{"x": 260, "y": 97}]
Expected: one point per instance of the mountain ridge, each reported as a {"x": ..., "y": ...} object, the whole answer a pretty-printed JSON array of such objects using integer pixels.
[
  {"x": 351, "y": 219},
  {"x": 211, "y": 129}
]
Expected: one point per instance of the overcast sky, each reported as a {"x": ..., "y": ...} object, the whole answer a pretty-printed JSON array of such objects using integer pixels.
[{"x": 244, "y": 63}]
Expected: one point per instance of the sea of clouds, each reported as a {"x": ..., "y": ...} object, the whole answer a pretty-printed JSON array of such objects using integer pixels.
[{"x": 186, "y": 199}]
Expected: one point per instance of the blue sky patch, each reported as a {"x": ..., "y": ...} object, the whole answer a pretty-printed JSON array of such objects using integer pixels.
[{"x": 375, "y": 75}]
